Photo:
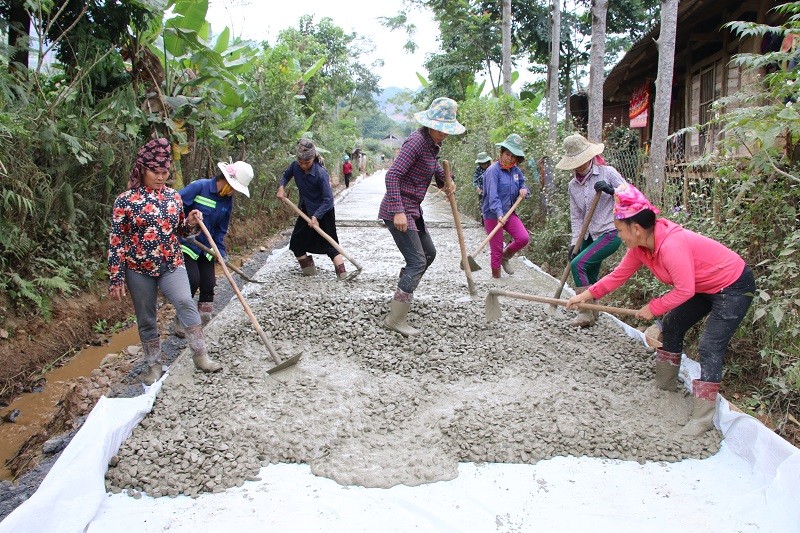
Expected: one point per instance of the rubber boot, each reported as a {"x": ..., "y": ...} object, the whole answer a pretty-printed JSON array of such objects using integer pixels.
[
  {"x": 667, "y": 366},
  {"x": 496, "y": 273},
  {"x": 507, "y": 262},
  {"x": 397, "y": 319},
  {"x": 177, "y": 328},
  {"x": 584, "y": 318},
  {"x": 206, "y": 310},
  {"x": 704, "y": 405},
  {"x": 154, "y": 359},
  {"x": 197, "y": 343},
  {"x": 341, "y": 271},
  {"x": 307, "y": 266}
]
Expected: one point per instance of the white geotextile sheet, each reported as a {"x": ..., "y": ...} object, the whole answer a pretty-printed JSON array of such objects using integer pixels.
[{"x": 751, "y": 484}]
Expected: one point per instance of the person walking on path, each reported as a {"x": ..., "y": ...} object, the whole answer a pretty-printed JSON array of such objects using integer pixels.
[
  {"x": 347, "y": 171},
  {"x": 503, "y": 182},
  {"x": 316, "y": 201},
  {"x": 213, "y": 197},
  {"x": 407, "y": 181},
  {"x": 481, "y": 164},
  {"x": 144, "y": 254},
  {"x": 707, "y": 279},
  {"x": 590, "y": 175}
]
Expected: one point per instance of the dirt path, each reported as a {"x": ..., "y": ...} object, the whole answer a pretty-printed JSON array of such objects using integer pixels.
[{"x": 367, "y": 406}]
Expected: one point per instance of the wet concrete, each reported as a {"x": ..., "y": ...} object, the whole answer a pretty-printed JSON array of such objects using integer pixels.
[{"x": 367, "y": 406}]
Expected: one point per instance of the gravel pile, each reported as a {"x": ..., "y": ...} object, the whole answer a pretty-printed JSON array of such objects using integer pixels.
[{"x": 366, "y": 406}]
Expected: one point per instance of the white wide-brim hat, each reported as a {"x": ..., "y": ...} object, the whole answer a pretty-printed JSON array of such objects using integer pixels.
[
  {"x": 577, "y": 151},
  {"x": 441, "y": 116},
  {"x": 239, "y": 175}
]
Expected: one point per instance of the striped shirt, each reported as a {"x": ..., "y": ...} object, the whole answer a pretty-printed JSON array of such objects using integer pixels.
[
  {"x": 408, "y": 178},
  {"x": 581, "y": 195}
]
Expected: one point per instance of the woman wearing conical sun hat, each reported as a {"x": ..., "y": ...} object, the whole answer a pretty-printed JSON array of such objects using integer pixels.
[
  {"x": 407, "y": 181},
  {"x": 503, "y": 182},
  {"x": 590, "y": 175},
  {"x": 707, "y": 280}
]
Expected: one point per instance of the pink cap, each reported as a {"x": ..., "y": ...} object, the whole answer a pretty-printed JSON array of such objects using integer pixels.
[{"x": 628, "y": 201}]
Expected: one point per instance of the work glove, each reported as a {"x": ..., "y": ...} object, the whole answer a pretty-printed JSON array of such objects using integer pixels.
[{"x": 604, "y": 187}]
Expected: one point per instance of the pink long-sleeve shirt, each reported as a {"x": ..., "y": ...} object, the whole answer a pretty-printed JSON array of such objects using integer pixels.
[{"x": 690, "y": 262}]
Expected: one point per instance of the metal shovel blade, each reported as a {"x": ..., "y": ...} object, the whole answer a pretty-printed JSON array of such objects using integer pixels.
[
  {"x": 286, "y": 364},
  {"x": 493, "y": 310}
]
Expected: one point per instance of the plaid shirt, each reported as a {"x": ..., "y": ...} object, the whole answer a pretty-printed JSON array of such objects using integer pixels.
[{"x": 408, "y": 178}]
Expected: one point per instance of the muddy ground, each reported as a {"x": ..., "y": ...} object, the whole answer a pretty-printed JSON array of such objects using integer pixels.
[{"x": 367, "y": 406}]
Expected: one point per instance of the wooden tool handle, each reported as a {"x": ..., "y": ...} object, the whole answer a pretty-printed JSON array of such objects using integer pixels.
[
  {"x": 577, "y": 247},
  {"x": 459, "y": 231},
  {"x": 271, "y": 349},
  {"x": 556, "y": 301},
  {"x": 319, "y": 230},
  {"x": 497, "y": 227}
]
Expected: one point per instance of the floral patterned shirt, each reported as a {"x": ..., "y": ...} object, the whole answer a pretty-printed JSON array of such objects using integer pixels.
[{"x": 143, "y": 236}]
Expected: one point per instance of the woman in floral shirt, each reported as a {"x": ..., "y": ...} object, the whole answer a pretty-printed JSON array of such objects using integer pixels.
[{"x": 144, "y": 254}]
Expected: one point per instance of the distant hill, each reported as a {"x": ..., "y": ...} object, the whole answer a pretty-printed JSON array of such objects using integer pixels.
[{"x": 382, "y": 100}]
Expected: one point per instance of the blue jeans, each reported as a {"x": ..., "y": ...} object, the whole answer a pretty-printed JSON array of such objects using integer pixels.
[
  {"x": 144, "y": 293},
  {"x": 725, "y": 311},
  {"x": 418, "y": 251}
]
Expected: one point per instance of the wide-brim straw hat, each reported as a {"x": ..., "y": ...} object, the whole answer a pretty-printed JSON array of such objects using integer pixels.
[
  {"x": 441, "y": 116},
  {"x": 577, "y": 151},
  {"x": 483, "y": 157},
  {"x": 239, "y": 175},
  {"x": 513, "y": 144}
]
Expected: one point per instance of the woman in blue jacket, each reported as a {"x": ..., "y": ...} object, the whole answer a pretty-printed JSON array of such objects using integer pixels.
[{"x": 214, "y": 198}]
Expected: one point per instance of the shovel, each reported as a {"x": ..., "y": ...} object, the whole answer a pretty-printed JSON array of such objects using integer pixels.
[
  {"x": 328, "y": 238},
  {"x": 471, "y": 258},
  {"x": 577, "y": 247},
  {"x": 270, "y": 348},
  {"x": 244, "y": 276},
  {"x": 493, "y": 310},
  {"x": 465, "y": 266}
]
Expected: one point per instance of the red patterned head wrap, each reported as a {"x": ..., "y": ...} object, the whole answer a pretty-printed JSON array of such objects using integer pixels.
[{"x": 155, "y": 155}]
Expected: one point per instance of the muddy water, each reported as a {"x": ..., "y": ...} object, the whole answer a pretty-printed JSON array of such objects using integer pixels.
[{"x": 37, "y": 408}]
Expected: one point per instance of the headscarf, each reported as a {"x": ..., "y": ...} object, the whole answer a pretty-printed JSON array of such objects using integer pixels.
[
  {"x": 155, "y": 155},
  {"x": 629, "y": 201},
  {"x": 305, "y": 150}
]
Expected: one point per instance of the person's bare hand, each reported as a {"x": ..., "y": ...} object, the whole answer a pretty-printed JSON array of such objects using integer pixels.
[
  {"x": 281, "y": 194},
  {"x": 645, "y": 313},
  {"x": 117, "y": 293},
  {"x": 524, "y": 192},
  {"x": 401, "y": 222},
  {"x": 194, "y": 218},
  {"x": 314, "y": 222},
  {"x": 578, "y": 298}
]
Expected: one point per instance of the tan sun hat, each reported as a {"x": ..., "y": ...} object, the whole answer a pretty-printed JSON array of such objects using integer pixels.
[
  {"x": 239, "y": 175},
  {"x": 577, "y": 151}
]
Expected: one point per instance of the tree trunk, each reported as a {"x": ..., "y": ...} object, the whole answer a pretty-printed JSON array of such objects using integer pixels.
[
  {"x": 552, "y": 73},
  {"x": 597, "y": 70},
  {"x": 507, "y": 46},
  {"x": 19, "y": 27},
  {"x": 661, "y": 106}
]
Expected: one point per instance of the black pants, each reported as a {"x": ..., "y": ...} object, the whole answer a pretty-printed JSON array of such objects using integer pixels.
[
  {"x": 201, "y": 276},
  {"x": 725, "y": 311},
  {"x": 347, "y": 180}
]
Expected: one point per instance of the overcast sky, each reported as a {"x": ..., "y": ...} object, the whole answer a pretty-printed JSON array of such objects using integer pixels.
[{"x": 262, "y": 21}]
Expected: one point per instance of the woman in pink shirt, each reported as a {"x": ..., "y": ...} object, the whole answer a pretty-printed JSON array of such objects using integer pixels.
[{"x": 706, "y": 277}]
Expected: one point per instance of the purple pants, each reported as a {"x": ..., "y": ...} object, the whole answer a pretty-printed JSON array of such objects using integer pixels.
[{"x": 519, "y": 238}]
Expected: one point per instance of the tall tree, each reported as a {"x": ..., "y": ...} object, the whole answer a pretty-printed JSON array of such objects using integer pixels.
[
  {"x": 661, "y": 106},
  {"x": 552, "y": 72},
  {"x": 596, "y": 70},
  {"x": 507, "y": 46}
]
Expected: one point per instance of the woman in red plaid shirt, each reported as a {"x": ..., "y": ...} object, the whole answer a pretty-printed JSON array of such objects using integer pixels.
[{"x": 407, "y": 181}]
